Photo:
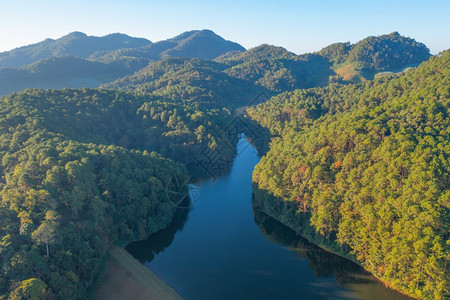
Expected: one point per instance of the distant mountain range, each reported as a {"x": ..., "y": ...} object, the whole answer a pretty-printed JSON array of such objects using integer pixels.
[
  {"x": 77, "y": 60},
  {"x": 203, "y": 44},
  {"x": 75, "y": 44},
  {"x": 64, "y": 72}
]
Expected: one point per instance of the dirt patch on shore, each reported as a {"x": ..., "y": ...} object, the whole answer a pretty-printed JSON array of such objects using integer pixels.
[{"x": 126, "y": 278}]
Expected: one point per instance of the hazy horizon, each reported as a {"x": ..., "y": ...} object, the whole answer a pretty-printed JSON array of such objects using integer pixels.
[
  {"x": 153, "y": 41},
  {"x": 298, "y": 26}
]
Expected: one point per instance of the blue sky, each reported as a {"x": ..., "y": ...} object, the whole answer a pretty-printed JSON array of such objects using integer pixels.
[{"x": 300, "y": 26}]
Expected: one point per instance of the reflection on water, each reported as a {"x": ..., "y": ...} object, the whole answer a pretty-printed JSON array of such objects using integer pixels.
[
  {"x": 146, "y": 250},
  {"x": 223, "y": 248},
  {"x": 320, "y": 261},
  {"x": 323, "y": 263}
]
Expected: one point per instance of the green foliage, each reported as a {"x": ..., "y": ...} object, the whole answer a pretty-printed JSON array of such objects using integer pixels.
[
  {"x": 337, "y": 52},
  {"x": 33, "y": 289},
  {"x": 188, "y": 79},
  {"x": 109, "y": 117},
  {"x": 219, "y": 84},
  {"x": 276, "y": 69},
  {"x": 388, "y": 52},
  {"x": 104, "y": 194},
  {"x": 282, "y": 74},
  {"x": 391, "y": 52},
  {"x": 79, "y": 173},
  {"x": 262, "y": 52},
  {"x": 369, "y": 164}
]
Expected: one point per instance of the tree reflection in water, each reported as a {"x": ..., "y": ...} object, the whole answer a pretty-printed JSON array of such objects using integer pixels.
[
  {"x": 146, "y": 250},
  {"x": 323, "y": 263}
]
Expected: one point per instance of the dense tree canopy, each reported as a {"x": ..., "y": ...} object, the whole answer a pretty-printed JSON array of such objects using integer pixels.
[
  {"x": 262, "y": 52},
  {"x": 230, "y": 82},
  {"x": 189, "y": 79},
  {"x": 364, "y": 166},
  {"x": 281, "y": 74},
  {"x": 79, "y": 173},
  {"x": 378, "y": 53},
  {"x": 368, "y": 164}
]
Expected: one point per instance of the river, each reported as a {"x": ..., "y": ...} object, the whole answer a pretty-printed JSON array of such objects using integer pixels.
[{"x": 222, "y": 248}]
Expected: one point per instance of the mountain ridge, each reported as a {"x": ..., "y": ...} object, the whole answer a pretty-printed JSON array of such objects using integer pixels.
[
  {"x": 268, "y": 67},
  {"x": 75, "y": 43},
  {"x": 204, "y": 44}
]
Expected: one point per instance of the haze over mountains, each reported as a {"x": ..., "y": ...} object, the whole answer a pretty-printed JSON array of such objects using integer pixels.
[
  {"x": 203, "y": 44},
  {"x": 77, "y": 60},
  {"x": 64, "y": 71},
  {"x": 75, "y": 44}
]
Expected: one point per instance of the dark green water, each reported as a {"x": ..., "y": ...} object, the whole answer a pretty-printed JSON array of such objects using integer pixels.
[{"x": 223, "y": 249}]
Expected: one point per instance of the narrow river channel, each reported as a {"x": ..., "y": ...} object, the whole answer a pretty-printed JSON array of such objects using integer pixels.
[{"x": 223, "y": 248}]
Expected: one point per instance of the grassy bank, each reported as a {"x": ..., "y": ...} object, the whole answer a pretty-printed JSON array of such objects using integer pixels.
[{"x": 126, "y": 278}]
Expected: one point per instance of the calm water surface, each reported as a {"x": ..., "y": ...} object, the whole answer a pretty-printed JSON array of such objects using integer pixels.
[{"x": 224, "y": 249}]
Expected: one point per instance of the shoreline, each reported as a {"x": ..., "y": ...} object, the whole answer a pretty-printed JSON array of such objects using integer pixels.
[
  {"x": 124, "y": 277},
  {"x": 324, "y": 246}
]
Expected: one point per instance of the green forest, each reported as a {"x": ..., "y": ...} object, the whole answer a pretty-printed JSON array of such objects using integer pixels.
[
  {"x": 358, "y": 162},
  {"x": 366, "y": 166},
  {"x": 80, "y": 173}
]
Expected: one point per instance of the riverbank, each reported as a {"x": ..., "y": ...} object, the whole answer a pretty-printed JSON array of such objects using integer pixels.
[
  {"x": 126, "y": 278},
  {"x": 283, "y": 212}
]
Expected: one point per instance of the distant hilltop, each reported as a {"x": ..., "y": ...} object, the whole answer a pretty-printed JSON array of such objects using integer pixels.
[
  {"x": 120, "y": 61},
  {"x": 197, "y": 43}
]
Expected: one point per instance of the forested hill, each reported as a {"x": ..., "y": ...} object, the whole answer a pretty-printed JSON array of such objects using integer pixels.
[
  {"x": 190, "y": 79},
  {"x": 79, "y": 173},
  {"x": 75, "y": 44},
  {"x": 276, "y": 69},
  {"x": 65, "y": 71},
  {"x": 390, "y": 52},
  {"x": 230, "y": 80},
  {"x": 265, "y": 68},
  {"x": 367, "y": 165},
  {"x": 203, "y": 44},
  {"x": 271, "y": 69},
  {"x": 77, "y": 60},
  {"x": 261, "y": 52}
]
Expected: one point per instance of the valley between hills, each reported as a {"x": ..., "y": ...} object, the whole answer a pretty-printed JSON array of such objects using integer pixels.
[{"x": 353, "y": 141}]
